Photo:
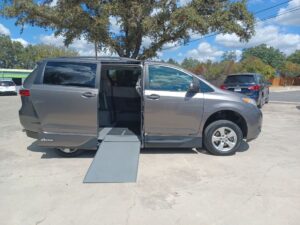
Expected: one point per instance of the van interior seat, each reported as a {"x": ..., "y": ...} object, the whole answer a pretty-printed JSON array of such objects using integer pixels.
[{"x": 120, "y": 102}]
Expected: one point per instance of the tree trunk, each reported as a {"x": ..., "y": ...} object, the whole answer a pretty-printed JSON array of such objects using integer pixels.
[{"x": 96, "y": 52}]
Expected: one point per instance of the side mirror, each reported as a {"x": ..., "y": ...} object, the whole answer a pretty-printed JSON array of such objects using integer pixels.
[{"x": 194, "y": 88}]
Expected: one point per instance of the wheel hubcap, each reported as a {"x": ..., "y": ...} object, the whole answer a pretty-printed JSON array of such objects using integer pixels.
[
  {"x": 68, "y": 150},
  {"x": 224, "y": 139}
]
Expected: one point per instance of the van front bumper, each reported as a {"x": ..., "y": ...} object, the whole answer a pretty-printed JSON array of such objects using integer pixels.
[{"x": 254, "y": 122}]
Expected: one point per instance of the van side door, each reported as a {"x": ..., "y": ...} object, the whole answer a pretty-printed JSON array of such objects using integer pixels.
[
  {"x": 172, "y": 114},
  {"x": 66, "y": 101}
]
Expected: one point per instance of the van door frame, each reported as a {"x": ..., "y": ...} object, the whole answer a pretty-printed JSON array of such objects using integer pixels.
[{"x": 124, "y": 65}]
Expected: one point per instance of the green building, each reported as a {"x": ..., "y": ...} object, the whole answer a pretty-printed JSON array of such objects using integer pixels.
[{"x": 17, "y": 75}]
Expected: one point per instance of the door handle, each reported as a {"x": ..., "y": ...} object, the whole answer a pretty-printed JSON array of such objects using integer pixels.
[
  {"x": 88, "y": 94},
  {"x": 153, "y": 96}
]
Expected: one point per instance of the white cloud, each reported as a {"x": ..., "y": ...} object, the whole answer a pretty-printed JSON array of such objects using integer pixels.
[
  {"x": 4, "y": 30},
  {"x": 238, "y": 54},
  {"x": 21, "y": 40},
  {"x": 184, "y": 2},
  {"x": 83, "y": 47},
  {"x": 289, "y": 15},
  {"x": 53, "y": 3},
  {"x": 114, "y": 26},
  {"x": 171, "y": 46},
  {"x": 205, "y": 52},
  {"x": 146, "y": 42},
  {"x": 264, "y": 34}
]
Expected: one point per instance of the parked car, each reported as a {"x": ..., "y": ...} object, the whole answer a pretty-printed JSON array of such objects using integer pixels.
[
  {"x": 67, "y": 101},
  {"x": 251, "y": 84},
  {"x": 8, "y": 87}
]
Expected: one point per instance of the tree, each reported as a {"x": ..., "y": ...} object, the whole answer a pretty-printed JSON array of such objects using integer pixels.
[
  {"x": 172, "y": 61},
  {"x": 163, "y": 21},
  {"x": 14, "y": 55},
  {"x": 295, "y": 57},
  {"x": 11, "y": 52},
  {"x": 268, "y": 55},
  {"x": 256, "y": 65},
  {"x": 290, "y": 69},
  {"x": 229, "y": 56},
  {"x": 190, "y": 63}
]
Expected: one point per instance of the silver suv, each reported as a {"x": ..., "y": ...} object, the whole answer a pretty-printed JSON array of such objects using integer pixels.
[{"x": 67, "y": 102}]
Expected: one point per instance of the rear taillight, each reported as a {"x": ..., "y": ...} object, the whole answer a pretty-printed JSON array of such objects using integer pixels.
[
  {"x": 254, "y": 88},
  {"x": 24, "y": 92},
  {"x": 223, "y": 87}
]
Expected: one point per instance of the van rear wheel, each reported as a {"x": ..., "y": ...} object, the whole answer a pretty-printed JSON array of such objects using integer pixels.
[
  {"x": 68, "y": 152},
  {"x": 222, "y": 137}
]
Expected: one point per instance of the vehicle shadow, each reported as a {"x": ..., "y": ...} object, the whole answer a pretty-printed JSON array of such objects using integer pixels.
[
  {"x": 298, "y": 107},
  {"x": 50, "y": 153}
]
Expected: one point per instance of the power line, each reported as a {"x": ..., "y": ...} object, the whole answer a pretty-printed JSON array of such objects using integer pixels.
[
  {"x": 280, "y": 14},
  {"x": 215, "y": 34},
  {"x": 271, "y": 7}
]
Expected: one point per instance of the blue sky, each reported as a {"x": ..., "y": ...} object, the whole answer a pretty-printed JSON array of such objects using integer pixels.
[{"x": 282, "y": 32}]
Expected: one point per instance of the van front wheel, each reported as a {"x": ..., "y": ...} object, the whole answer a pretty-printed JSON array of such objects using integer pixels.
[
  {"x": 68, "y": 152},
  {"x": 222, "y": 137}
]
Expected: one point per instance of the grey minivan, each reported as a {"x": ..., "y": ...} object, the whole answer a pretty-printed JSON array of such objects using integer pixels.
[{"x": 67, "y": 101}]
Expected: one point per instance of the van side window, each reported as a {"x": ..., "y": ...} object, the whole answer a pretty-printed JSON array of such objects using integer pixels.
[
  {"x": 70, "y": 74},
  {"x": 205, "y": 88},
  {"x": 168, "y": 79},
  {"x": 124, "y": 77}
]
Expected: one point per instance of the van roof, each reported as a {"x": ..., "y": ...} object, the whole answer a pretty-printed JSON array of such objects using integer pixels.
[{"x": 98, "y": 59}]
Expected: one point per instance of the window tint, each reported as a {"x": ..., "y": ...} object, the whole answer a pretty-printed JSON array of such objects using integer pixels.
[
  {"x": 29, "y": 79},
  {"x": 70, "y": 74},
  {"x": 205, "y": 88},
  {"x": 240, "y": 79},
  {"x": 168, "y": 79},
  {"x": 261, "y": 79},
  {"x": 124, "y": 77}
]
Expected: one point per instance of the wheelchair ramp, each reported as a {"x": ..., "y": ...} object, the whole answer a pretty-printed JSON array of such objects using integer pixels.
[{"x": 116, "y": 160}]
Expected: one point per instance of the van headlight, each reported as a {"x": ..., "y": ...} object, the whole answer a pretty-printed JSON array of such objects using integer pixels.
[{"x": 249, "y": 101}]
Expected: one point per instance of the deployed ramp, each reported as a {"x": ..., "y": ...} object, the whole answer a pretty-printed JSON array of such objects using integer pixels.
[{"x": 117, "y": 157}]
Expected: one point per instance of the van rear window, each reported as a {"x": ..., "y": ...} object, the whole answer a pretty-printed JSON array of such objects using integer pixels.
[
  {"x": 7, "y": 83},
  {"x": 70, "y": 74},
  {"x": 240, "y": 79}
]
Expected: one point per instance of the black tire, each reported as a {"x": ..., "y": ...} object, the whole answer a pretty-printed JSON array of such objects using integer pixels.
[
  {"x": 260, "y": 104},
  {"x": 267, "y": 100},
  {"x": 74, "y": 153},
  {"x": 212, "y": 128}
]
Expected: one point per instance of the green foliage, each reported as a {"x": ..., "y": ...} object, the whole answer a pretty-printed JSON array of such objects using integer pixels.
[
  {"x": 11, "y": 52},
  {"x": 290, "y": 69},
  {"x": 190, "y": 63},
  {"x": 163, "y": 21},
  {"x": 256, "y": 65},
  {"x": 268, "y": 55},
  {"x": 218, "y": 70},
  {"x": 229, "y": 56},
  {"x": 172, "y": 61},
  {"x": 295, "y": 57},
  {"x": 14, "y": 55}
]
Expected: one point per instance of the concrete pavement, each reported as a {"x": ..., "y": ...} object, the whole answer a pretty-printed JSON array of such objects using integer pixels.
[{"x": 260, "y": 185}]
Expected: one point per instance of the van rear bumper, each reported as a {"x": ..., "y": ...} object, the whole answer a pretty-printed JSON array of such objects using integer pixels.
[{"x": 32, "y": 134}]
